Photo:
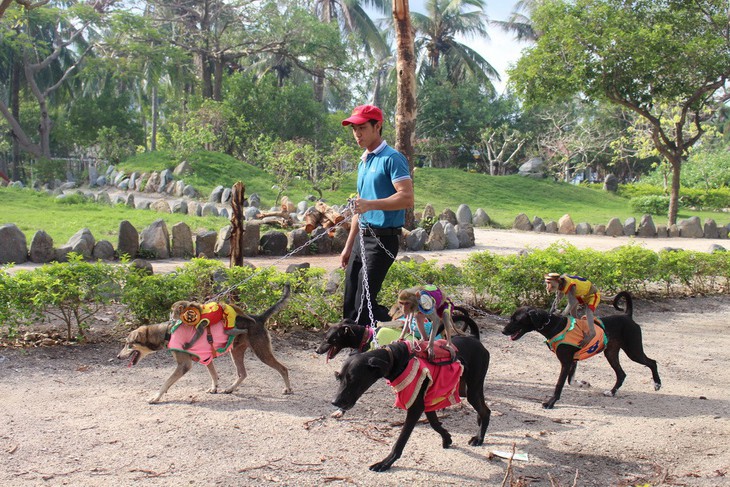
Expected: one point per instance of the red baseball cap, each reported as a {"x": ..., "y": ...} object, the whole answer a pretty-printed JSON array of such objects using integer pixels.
[{"x": 363, "y": 114}]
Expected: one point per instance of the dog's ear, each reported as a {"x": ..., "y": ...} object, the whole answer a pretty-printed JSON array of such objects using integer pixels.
[
  {"x": 338, "y": 376},
  {"x": 377, "y": 363},
  {"x": 535, "y": 317}
]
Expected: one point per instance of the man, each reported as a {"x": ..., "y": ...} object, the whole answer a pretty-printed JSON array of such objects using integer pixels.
[
  {"x": 578, "y": 290},
  {"x": 384, "y": 191}
]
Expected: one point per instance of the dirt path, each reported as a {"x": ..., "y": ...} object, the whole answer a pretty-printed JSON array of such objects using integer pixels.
[{"x": 77, "y": 416}]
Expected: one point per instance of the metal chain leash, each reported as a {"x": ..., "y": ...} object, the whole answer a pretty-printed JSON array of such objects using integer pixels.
[
  {"x": 309, "y": 242},
  {"x": 366, "y": 284}
]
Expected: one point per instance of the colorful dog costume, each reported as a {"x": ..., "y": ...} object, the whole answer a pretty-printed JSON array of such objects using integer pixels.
[
  {"x": 216, "y": 318},
  {"x": 443, "y": 388},
  {"x": 573, "y": 333}
]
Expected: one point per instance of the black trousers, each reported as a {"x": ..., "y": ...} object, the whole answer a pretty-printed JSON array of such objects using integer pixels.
[{"x": 377, "y": 264}]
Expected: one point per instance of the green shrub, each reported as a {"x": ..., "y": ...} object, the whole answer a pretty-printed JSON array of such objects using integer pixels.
[{"x": 655, "y": 204}]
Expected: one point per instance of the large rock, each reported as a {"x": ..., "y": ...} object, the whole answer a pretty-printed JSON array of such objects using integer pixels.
[
  {"x": 161, "y": 206},
  {"x": 448, "y": 216},
  {"x": 215, "y": 195},
  {"x": 566, "y": 225},
  {"x": 182, "y": 241},
  {"x": 647, "y": 229},
  {"x": 209, "y": 209},
  {"x": 481, "y": 219},
  {"x": 538, "y": 225},
  {"x": 13, "y": 246},
  {"x": 630, "y": 226},
  {"x": 205, "y": 243},
  {"x": 690, "y": 228},
  {"x": 429, "y": 212},
  {"x": 273, "y": 243},
  {"x": 183, "y": 169},
  {"x": 82, "y": 243},
  {"x": 533, "y": 168},
  {"x": 223, "y": 242},
  {"x": 610, "y": 183},
  {"x": 322, "y": 240},
  {"x": 416, "y": 240},
  {"x": 128, "y": 240},
  {"x": 583, "y": 228},
  {"x": 463, "y": 215},
  {"x": 710, "y": 229},
  {"x": 614, "y": 228},
  {"x": 465, "y": 234},
  {"x": 154, "y": 241},
  {"x": 436, "y": 239},
  {"x": 251, "y": 240},
  {"x": 296, "y": 240},
  {"x": 522, "y": 222},
  {"x": 339, "y": 239},
  {"x": 41, "y": 248},
  {"x": 103, "y": 250},
  {"x": 452, "y": 240},
  {"x": 180, "y": 206}
]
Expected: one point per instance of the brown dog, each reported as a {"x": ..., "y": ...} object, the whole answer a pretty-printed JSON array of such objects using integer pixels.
[
  {"x": 421, "y": 301},
  {"x": 151, "y": 338}
]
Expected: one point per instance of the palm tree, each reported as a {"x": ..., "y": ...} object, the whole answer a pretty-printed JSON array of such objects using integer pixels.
[
  {"x": 352, "y": 19},
  {"x": 519, "y": 22},
  {"x": 436, "y": 34}
]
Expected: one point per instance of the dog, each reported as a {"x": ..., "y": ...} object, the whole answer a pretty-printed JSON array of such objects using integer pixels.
[
  {"x": 420, "y": 301},
  {"x": 151, "y": 338},
  {"x": 348, "y": 334},
  {"x": 360, "y": 371},
  {"x": 622, "y": 331}
]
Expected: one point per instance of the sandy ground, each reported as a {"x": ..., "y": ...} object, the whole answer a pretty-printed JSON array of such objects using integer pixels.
[{"x": 75, "y": 415}]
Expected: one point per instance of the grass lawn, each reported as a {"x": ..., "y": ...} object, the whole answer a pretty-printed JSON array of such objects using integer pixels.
[{"x": 502, "y": 197}]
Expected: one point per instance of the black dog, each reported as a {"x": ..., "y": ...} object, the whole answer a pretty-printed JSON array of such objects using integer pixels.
[
  {"x": 361, "y": 371},
  {"x": 348, "y": 334},
  {"x": 622, "y": 331}
]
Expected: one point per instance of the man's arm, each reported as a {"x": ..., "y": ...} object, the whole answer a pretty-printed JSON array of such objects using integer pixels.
[
  {"x": 347, "y": 251},
  {"x": 402, "y": 198}
]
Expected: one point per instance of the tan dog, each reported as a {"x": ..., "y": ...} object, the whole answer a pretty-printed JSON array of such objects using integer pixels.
[
  {"x": 151, "y": 338},
  {"x": 422, "y": 301}
]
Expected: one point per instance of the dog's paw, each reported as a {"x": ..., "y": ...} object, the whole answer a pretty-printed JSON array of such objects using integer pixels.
[
  {"x": 213, "y": 390},
  {"x": 288, "y": 391},
  {"x": 337, "y": 414},
  {"x": 476, "y": 441},
  {"x": 609, "y": 393},
  {"x": 579, "y": 383},
  {"x": 154, "y": 399},
  {"x": 446, "y": 442},
  {"x": 657, "y": 386},
  {"x": 230, "y": 390},
  {"x": 549, "y": 404},
  {"x": 381, "y": 466}
]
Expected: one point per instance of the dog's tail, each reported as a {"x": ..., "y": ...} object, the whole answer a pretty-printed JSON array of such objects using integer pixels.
[
  {"x": 263, "y": 317},
  {"x": 629, "y": 309}
]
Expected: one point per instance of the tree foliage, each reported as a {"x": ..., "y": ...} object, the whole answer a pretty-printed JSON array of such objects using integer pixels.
[{"x": 665, "y": 60}]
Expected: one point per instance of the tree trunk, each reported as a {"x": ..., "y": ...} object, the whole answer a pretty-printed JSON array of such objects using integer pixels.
[
  {"x": 15, "y": 110},
  {"x": 405, "y": 114},
  {"x": 237, "y": 225},
  {"x": 155, "y": 116},
  {"x": 674, "y": 192}
]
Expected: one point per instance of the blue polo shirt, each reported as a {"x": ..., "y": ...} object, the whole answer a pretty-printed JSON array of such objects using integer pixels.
[{"x": 376, "y": 174}]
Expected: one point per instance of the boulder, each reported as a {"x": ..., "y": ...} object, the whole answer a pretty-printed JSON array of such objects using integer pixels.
[
  {"x": 465, "y": 235},
  {"x": 415, "y": 240},
  {"x": 463, "y": 215},
  {"x": 82, "y": 243},
  {"x": 448, "y": 216},
  {"x": 534, "y": 167},
  {"x": 690, "y": 228},
  {"x": 452, "y": 240},
  {"x": 436, "y": 239},
  {"x": 154, "y": 241},
  {"x": 103, "y": 250},
  {"x": 205, "y": 243},
  {"x": 161, "y": 206},
  {"x": 630, "y": 226},
  {"x": 322, "y": 240},
  {"x": 610, "y": 183},
  {"x": 614, "y": 228},
  {"x": 128, "y": 240},
  {"x": 41, "y": 248},
  {"x": 273, "y": 243},
  {"x": 522, "y": 222},
  {"x": 182, "y": 241},
  {"x": 13, "y": 245},
  {"x": 223, "y": 242},
  {"x": 710, "y": 229},
  {"x": 566, "y": 225},
  {"x": 583, "y": 228},
  {"x": 481, "y": 219},
  {"x": 296, "y": 240},
  {"x": 646, "y": 227},
  {"x": 251, "y": 239}
]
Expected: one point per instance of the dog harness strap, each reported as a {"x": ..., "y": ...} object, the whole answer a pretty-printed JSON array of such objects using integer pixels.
[{"x": 367, "y": 336}]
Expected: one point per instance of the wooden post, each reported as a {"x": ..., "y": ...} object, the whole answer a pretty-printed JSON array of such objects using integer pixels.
[{"x": 237, "y": 226}]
